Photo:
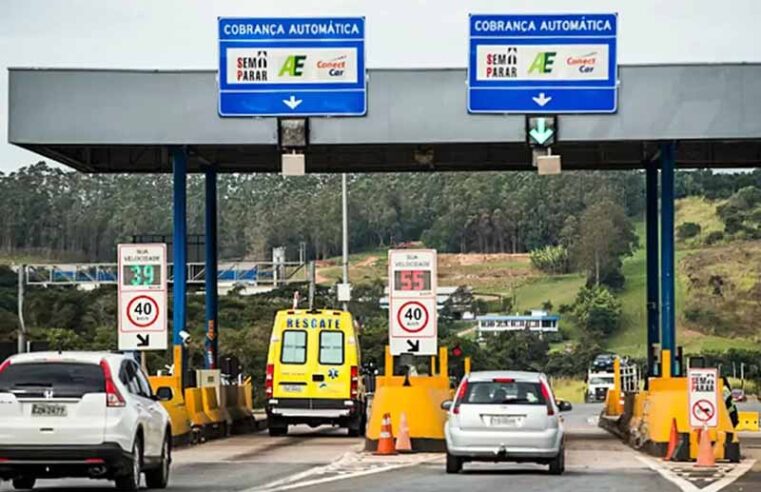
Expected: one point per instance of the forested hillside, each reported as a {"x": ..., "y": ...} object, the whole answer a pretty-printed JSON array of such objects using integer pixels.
[{"x": 571, "y": 243}]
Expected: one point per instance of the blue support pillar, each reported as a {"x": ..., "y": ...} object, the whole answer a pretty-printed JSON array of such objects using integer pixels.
[
  {"x": 179, "y": 257},
  {"x": 653, "y": 270},
  {"x": 668, "y": 308},
  {"x": 212, "y": 327}
]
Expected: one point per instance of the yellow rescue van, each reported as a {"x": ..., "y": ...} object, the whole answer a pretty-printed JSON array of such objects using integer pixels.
[{"x": 313, "y": 372}]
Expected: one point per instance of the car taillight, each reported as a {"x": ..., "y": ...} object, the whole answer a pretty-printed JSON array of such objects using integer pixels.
[
  {"x": 4, "y": 365},
  {"x": 113, "y": 396},
  {"x": 460, "y": 396},
  {"x": 269, "y": 380},
  {"x": 547, "y": 398},
  {"x": 503, "y": 380},
  {"x": 354, "y": 382}
]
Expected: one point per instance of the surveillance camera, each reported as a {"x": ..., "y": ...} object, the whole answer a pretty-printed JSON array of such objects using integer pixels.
[{"x": 185, "y": 336}]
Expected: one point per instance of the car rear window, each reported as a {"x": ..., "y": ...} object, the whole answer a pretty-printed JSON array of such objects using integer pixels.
[
  {"x": 294, "y": 347},
  {"x": 331, "y": 347},
  {"x": 504, "y": 393},
  {"x": 64, "y": 379}
]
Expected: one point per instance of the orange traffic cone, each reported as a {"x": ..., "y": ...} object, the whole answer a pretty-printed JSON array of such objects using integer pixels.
[
  {"x": 386, "y": 438},
  {"x": 673, "y": 439},
  {"x": 705, "y": 450},
  {"x": 403, "y": 443}
]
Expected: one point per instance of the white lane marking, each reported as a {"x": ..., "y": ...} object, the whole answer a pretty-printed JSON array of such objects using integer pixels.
[
  {"x": 737, "y": 471},
  {"x": 349, "y": 459}
]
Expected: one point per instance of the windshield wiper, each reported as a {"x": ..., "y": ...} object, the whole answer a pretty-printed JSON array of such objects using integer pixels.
[{"x": 33, "y": 385}]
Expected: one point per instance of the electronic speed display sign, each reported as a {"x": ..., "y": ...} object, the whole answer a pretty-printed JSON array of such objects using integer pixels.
[
  {"x": 142, "y": 297},
  {"x": 412, "y": 301}
]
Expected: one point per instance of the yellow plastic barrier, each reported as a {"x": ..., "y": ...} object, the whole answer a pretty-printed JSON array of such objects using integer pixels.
[
  {"x": 176, "y": 407},
  {"x": 194, "y": 403},
  {"x": 243, "y": 400},
  {"x": 249, "y": 396},
  {"x": 222, "y": 405},
  {"x": 420, "y": 401},
  {"x": 211, "y": 405},
  {"x": 231, "y": 403},
  {"x": 748, "y": 422}
]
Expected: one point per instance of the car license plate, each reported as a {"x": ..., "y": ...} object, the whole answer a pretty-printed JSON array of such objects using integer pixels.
[
  {"x": 292, "y": 388},
  {"x": 506, "y": 421},
  {"x": 46, "y": 410}
]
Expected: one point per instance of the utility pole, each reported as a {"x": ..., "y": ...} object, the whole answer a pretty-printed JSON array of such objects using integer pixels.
[
  {"x": 345, "y": 209},
  {"x": 311, "y": 285},
  {"x": 22, "y": 326}
]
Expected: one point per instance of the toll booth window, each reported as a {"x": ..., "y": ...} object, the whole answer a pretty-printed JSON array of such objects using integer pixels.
[
  {"x": 294, "y": 349},
  {"x": 332, "y": 347}
]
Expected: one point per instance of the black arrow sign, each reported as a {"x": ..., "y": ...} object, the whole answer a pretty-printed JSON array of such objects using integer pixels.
[
  {"x": 413, "y": 347},
  {"x": 143, "y": 340}
]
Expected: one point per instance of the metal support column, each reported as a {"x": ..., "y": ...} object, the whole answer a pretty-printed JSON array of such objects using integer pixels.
[
  {"x": 653, "y": 305},
  {"x": 345, "y": 234},
  {"x": 668, "y": 308},
  {"x": 179, "y": 257},
  {"x": 212, "y": 327}
]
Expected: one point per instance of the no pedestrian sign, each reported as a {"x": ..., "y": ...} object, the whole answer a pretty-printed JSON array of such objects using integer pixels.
[
  {"x": 142, "y": 297},
  {"x": 704, "y": 397}
]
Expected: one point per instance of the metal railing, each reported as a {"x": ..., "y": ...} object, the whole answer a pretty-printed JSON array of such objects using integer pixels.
[
  {"x": 629, "y": 378},
  {"x": 241, "y": 272}
]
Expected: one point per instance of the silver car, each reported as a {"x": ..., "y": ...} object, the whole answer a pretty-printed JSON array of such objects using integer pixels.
[{"x": 505, "y": 416}]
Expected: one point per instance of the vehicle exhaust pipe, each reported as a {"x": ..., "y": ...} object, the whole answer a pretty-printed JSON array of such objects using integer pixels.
[{"x": 97, "y": 471}]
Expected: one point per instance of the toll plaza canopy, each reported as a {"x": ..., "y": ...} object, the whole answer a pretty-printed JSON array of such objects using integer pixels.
[{"x": 126, "y": 121}]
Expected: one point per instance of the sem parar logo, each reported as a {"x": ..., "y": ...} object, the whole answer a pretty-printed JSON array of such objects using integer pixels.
[
  {"x": 293, "y": 66},
  {"x": 543, "y": 62}
]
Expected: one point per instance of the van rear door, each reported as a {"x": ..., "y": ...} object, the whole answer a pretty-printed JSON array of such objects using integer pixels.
[
  {"x": 293, "y": 379},
  {"x": 331, "y": 378},
  {"x": 52, "y": 403}
]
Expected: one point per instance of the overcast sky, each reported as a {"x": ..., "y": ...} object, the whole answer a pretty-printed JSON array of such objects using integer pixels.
[{"x": 400, "y": 33}]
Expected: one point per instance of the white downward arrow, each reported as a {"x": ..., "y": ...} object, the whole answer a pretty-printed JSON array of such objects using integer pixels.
[
  {"x": 541, "y": 100},
  {"x": 292, "y": 102}
]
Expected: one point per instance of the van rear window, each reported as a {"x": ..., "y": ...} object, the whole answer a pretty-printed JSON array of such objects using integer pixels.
[
  {"x": 64, "y": 379},
  {"x": 294, "y": 347},
  {"x": 331, "y": 347}
]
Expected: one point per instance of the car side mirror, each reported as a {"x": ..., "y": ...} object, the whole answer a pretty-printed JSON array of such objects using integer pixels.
[
  {"x": 446, "y": 405},
  {"x": 164, "y": 393},
  {"x": 564, "y": 406}
]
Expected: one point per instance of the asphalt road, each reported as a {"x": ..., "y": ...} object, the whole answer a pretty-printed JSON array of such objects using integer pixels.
[{"x": 325, "y": 459}]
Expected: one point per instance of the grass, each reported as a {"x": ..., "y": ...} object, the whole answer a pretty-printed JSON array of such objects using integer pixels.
[
  {"x": 558, "y": 289},
  {"x": 568, "y": 389},
  {"x": 700, "y": 211}
]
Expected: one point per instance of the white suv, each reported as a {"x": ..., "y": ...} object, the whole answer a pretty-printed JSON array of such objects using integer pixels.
[{"x": 81, "y": 414}]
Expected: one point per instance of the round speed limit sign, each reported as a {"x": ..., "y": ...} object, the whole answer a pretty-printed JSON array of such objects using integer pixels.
[
  {"x": 142, "y": 311},
  {"x": 412, "y": 317}
]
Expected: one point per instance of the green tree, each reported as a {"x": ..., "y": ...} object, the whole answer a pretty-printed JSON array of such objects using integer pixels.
[
  {"x": 597, "y": 311},
  {"x": 606, "y": 235}
]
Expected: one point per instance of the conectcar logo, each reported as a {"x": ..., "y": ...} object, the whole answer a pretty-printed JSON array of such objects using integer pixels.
[
  {"x": 585, "y": 63},
  {"x": 335, "y": 67}
]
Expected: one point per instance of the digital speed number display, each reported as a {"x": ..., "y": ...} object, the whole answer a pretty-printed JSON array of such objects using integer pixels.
[
  {"x": 412, "y": 280},
  {"x": 141, "y": 275}
]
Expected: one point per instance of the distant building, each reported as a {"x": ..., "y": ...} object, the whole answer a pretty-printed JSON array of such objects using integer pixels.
[{"x": 538, "y": 321}]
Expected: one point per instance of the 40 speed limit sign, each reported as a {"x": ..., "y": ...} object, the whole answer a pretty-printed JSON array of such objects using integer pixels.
[
  {"x": 412, "y": 301},
  {"x": 142, "y": 297}
]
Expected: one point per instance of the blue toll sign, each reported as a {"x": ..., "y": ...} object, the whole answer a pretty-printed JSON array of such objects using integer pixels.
[
  {"x": 292, "y": 67},
  {"x": 543, "y": 64}
]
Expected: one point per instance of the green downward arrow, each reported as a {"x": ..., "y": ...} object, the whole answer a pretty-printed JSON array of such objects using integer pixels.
[{"x": 541, "y": 133}]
